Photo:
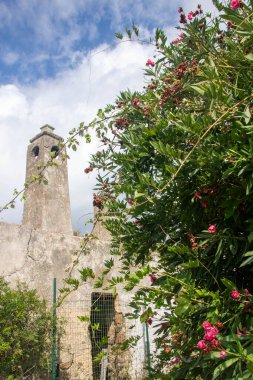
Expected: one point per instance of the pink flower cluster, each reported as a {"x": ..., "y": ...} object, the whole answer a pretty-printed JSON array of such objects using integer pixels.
[
  {"x": 210, "y": 331},
  {"x": 152, "y": 278},
  {"x": 235, "y": 294},
  {"x": 150, "y": 63},
  {"x": 179, "y": 39},
  {"x": 190, "y": 16},
  {"x": 210, "y": 340},
  {"x": 212, "y": 229},
  {"x": 235, "y": 4},
  {"x": 223, "y": 354}
]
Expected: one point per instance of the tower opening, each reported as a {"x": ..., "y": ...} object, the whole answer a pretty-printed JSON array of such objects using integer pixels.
[
  {"x": 35, "y": 151},
  {"x": 55, "y": 151}
]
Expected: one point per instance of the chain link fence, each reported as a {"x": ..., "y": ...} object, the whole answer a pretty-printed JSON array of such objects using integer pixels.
[{"x": 96, "y": 341}]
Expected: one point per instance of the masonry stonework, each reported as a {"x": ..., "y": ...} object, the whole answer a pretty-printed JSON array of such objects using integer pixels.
[{"x": 43, "y": 247}]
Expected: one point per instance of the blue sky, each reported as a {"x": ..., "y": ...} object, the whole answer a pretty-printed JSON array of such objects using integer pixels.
[
  {"x": 59, "y": 63},
  {"x": 41, "y": 38}
]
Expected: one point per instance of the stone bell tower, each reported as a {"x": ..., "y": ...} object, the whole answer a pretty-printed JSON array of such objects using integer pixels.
[{"x": 47, "y": 206}]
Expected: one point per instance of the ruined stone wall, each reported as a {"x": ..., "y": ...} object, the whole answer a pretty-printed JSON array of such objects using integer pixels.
[
  {"x": 36, "y": 257},
  {"x": 44, "y": 248}
]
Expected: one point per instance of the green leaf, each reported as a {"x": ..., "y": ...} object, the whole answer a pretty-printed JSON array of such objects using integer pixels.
[
  {"x": 86, "y": 273},
  {"x": 100, "y": 356},
  {"x": 228, "y": 284},
  {"x": 250, "y": 358},
  {"x": 100, "y": 113},
  {"x": 250, "y": 367},
  {"x": 198, "y": 89},
  {"x": 218, "y": 252},
  {"x": 249, "y": 260},
  {"x": 218, "y": 370},
  {"x": 135, "y": 29},
  {"x": 250, "y": 237},
  {"x": 129, "y": 33},
  {"x": 119, "y": 36},
  {"x": 138, "y": 195},
  {"x": 109, "y": 263},
  {"x": 84, "y": 318},
  {"x": 147, "y": 314},
  {"x": 183, "y": 306},
  {"x": 247, "y": 115},
  {"x": 191, "y": 264},
  {"x": 229, "y": 338},
  {"x": 249, "y": 56}
]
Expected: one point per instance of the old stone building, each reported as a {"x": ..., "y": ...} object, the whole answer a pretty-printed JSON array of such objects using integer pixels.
[{"x": 43, "y": 247}]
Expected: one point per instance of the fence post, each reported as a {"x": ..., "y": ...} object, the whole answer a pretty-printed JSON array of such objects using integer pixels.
[
  {"x": 54, "y": 333},
  {"x": 148, "y": 349}
]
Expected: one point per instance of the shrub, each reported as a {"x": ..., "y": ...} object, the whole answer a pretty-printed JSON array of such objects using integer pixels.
[
  {"x": 25, "y": 325},
  {"x": 177, "y": 183}
]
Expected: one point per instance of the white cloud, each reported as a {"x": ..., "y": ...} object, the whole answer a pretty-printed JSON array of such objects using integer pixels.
[{"x": 73, "y": 96}]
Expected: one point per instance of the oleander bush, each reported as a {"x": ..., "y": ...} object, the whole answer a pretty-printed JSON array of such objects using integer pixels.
[{"x": 176, "y": 182}]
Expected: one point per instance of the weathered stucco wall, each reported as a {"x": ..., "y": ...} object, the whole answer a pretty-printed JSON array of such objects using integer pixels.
[{"x": 36, "y": 257}]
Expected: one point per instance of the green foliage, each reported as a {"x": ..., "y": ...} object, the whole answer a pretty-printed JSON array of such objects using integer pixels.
[
  {"x": 176, "y": 182},
  {"x": 85, "y": 274},
  {"x": 25, "y": 333}
]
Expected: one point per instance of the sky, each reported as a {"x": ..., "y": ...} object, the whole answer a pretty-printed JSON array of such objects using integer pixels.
[{"x": 60, "y": 62}]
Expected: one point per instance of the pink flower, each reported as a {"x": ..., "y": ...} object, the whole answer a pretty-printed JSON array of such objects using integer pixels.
[
  {"x": 246, "y": 292},
  {"x": 130, "y": 202},
  {"x": 202, "y": 345},
  {"x": 197, "y": 195},
  {"x": 210, "y": 335},
  {"x": 212, "y": 229},
  {"x": 152, "y": 278},
  {"x": 174, "y": 361},
  {"x": 235, "y": 294},
  {"x": 176, "y": 41},
  {"x": 215, "y": 343},
  {"x": 190, "y": 16},
  {"x": 150, "y": 63},
  {"x": 210, "y": 331},
  {"x": 223, "y": 354},
  {"x": 207, "y": 325},
  {"x": 239, "y": 333},
  {"x": 204, "y": 204},
  {"x": 182, "y": 35},
  {"x": 234, "y": 4},
  {"x": 149, "y": 321}
]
